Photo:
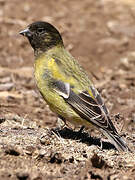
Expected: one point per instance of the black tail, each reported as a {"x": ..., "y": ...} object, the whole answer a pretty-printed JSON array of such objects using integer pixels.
[{"x": 117, "y": 140}]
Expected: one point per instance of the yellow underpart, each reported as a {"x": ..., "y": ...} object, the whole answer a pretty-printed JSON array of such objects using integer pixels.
[{"x": 57, "y": 73}]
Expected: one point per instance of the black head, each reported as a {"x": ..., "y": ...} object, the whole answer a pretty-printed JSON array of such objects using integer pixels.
[{"x": 42, "y": 35}]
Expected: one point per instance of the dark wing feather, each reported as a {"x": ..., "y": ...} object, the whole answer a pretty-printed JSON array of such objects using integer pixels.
[
  {"x": 98, "y": 99},
  {"x": 90, "y": 109},
  {"x": 92, "y": 112},
  {"x": 63, "y": 89}
]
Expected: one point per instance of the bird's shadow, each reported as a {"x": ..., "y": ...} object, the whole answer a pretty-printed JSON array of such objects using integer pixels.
[{"x": 83, "y": 137}]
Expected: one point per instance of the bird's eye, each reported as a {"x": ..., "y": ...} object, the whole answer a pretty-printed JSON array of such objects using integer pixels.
[{"x": 40, "y": 30}]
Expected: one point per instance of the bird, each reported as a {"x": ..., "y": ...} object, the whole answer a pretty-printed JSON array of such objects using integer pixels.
[{"x": 64, "y": 84}]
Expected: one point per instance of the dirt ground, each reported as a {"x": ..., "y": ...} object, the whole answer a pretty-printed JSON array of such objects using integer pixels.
[{"x": 100, "y": 34}]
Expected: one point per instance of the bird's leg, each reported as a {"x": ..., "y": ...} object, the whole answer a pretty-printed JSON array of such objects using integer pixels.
[
  {"x": 101, "y": 142},
  {"x": 81, "y": 129},
  {"x": 61, "y": 122}
]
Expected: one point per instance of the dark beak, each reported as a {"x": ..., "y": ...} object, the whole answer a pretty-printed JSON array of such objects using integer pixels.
[{"x": 26, "y": 32}]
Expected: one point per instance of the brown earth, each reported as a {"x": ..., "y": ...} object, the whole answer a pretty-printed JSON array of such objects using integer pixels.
[{"x": 101, "y": 35}]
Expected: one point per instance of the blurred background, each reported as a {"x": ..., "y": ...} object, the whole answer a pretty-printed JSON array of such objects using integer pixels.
[{"x": 100, "y": 34}]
